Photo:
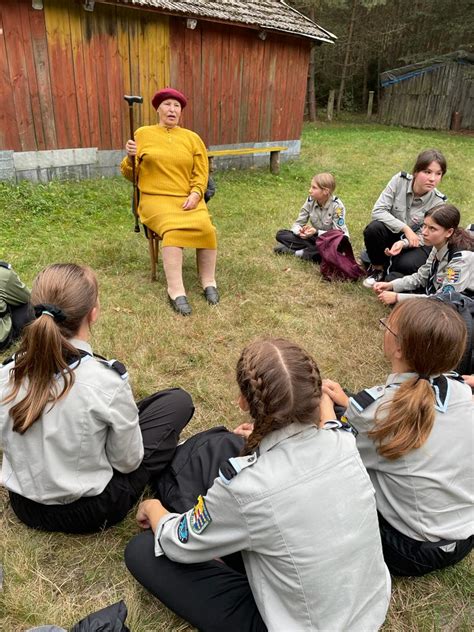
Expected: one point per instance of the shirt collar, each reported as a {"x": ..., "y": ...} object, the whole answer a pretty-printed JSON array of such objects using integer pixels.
[
  {"x": 277, "y": 436},
  {"x": 81, "y": 344},
  {"x": 441, "y": 253}
]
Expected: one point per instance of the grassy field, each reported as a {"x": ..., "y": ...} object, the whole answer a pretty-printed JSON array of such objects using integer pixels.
[{"x": 59, "y": 578}]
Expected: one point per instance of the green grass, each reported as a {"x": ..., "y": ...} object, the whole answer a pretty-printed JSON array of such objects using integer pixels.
[{"x": 58, "y": 578}]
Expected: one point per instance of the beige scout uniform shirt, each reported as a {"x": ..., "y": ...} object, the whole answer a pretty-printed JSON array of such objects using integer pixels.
[
  {"x": 303, "y": 515},
  {"x": 12, "y": 292},
  {"x": 71, "y": 450},
  {"x": 428, "y": 494},
  {"x": 398, "y": 206},
  {"x": 456, "y": 275},
  {"x": 323, "y": 218}
]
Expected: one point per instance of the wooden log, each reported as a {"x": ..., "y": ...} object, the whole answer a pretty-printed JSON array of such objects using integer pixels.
[
  {"x": 370, "y": 104},
  {"x": 332, "y": 94}
]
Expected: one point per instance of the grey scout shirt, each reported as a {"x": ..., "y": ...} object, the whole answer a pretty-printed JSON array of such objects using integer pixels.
[
  {"x": 303, "y": 515},
  {"x": 455, "y": 275},
  {"x": 323, "y": 218},
  {"x": 12, "y": 292},
  {"x": 397, "y": 205},
  {"x": 70, "y": 452},
  {"x": 428, "y": 494}
]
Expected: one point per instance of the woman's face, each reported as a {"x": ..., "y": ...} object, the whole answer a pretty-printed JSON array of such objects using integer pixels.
[
  {"x": 434, "y": 234},
  {"x": 427, "y": 179},
  {"x": 169, "y": 113}
]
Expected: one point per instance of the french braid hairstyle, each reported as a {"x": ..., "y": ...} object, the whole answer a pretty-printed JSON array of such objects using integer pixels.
[
  {"x": 281, "y": 384},
  {"x": 432, "y": 338}
]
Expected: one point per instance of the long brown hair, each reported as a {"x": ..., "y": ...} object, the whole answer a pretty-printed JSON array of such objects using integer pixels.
[
  {"x": 281, "y": 384},
  {"x": 448, "y": 216},
  {"x": 432, "y": 337},
  {"x": 70, "y": 293},
  {"x": 428, "y": 156}
]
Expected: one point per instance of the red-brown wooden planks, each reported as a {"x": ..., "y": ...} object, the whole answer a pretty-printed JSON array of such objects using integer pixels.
[{"x": 9, "y": 134}]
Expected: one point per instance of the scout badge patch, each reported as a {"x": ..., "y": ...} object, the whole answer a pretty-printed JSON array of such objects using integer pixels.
[
  {"x": 183, "y": 532},
  {"x": 452, "y": 275},
  {"x": 200, "y": 518}
]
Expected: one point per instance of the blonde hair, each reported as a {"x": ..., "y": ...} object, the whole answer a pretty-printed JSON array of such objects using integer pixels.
[
  {"x": 281, "y": 384},
  {"x": 325, "y": 181},
  {"x": 64, "y": 294},
  {"x": 432, "y": 337}
]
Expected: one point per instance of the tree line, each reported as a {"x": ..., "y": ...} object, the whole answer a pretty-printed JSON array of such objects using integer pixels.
[{"x": 375, "y": 36}]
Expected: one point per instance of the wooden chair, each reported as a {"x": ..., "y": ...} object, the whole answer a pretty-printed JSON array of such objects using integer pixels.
[{"x": 153, "y": 249}]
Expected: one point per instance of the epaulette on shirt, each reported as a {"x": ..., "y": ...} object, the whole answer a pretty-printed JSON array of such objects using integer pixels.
[
  {"x": 407, "y": 176},
  {"x": 116, "y": 365},
  {"x": 4, "y": 264},
  {"x": 230, "y": 468},
  {"x": 363, "y": 399},
  {"x": 441, "y": 195},
  {"x": 342, "y": 424}
]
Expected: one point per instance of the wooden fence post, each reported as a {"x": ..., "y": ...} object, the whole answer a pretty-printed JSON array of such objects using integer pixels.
[
  {"x": 332, "y": 94},
  {"x": 370, "y": 104}
]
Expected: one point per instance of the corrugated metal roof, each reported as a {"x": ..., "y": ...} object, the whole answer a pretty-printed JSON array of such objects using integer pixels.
[
  {"x": 272, "y": 15},
  {"x": 427, "y": 65}
]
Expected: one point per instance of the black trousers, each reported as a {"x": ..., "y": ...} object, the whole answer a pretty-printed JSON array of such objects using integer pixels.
[
  {"x": 295, "y": 242},
  {"x": 162, "y": 417},
  {"x": 377, "y": 237},
  {"x": 21, "y": 315},
  {"x": 405, "y": 556},
  {"x": 211, "y": 596}
]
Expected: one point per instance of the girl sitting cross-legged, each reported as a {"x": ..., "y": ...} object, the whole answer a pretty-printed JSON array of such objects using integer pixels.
[
  {"x": 297, "y": 506},
  {"x": 416, "y": 439},
  {"x": 77, "y": 451}
]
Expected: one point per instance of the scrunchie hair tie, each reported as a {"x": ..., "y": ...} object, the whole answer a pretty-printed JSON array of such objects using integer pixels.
[
  {"x": 421, "y": 376},
  {"x": 50, "y": 310}
]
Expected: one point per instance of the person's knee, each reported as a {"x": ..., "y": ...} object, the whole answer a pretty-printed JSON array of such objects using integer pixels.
[
  {"x": 372, "y": 230},
  {"x": 181, "y": 401},
  {"x": 137, "y": 551},
  {"x": 281, "y": 234}
]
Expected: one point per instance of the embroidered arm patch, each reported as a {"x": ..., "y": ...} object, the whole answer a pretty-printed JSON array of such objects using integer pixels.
[{"x": 200, "y": 517}]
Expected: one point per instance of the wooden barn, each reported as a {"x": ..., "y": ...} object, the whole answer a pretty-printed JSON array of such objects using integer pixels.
[
  {"x": 428, "y": 94},
  {"x": 65, "y": 66}
]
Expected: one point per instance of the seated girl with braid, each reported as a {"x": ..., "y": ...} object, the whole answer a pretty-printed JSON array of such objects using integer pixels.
[{"x": 297, "y": 507}]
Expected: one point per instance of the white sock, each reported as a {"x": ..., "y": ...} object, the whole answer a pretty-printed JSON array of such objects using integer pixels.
[{"x": 299, "y": 253}]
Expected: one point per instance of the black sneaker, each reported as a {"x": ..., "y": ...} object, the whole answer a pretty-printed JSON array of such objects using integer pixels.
[
  {"x": 374, "y": 277},
  {"x": 283, "y": 250}
]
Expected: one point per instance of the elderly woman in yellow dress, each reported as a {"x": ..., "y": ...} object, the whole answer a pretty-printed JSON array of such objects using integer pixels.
[{"x": 173, "y": 170}]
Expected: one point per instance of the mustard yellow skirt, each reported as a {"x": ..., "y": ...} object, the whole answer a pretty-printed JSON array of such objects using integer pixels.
[{"x": 165, "y": 215}]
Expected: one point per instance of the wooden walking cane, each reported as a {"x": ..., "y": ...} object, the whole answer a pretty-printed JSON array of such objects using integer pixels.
[{"x": 131, "y": 100}]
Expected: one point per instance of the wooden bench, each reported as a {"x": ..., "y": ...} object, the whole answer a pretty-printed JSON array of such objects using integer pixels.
[{"x": 245, "y": 151}]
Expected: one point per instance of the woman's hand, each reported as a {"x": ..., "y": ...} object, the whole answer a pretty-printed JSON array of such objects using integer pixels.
[
  {"x": 469, "y": 379},
  {"x": 191, "y": 201},
  {"x": 326, "y": 409},
  {"x": 388, "y": 298},
  {"x": 381, "y": 286},
  {"x": 335, "y": 392},
  {"x": 131, "y": 148},
  {"x": 244, "y": 430},
  {"x": 149, "y": 514},
  {"x": 396, "y": 248},
  {"x": 413, "y": 239}
]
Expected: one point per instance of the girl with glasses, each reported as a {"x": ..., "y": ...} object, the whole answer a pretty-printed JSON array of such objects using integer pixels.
[{"x": 415, "y": 438}]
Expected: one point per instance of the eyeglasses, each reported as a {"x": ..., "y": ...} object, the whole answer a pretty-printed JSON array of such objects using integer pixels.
[{"x": 383, "y": 325}]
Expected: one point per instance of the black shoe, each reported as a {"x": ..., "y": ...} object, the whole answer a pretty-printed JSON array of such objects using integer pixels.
[
  {"x": 180, "y": 305},
  {"x": 211, "y": 294},
  {"x": 283, "y": 250}
]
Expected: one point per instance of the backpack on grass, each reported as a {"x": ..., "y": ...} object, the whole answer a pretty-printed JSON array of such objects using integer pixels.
[{"x": 337, "y": 257}]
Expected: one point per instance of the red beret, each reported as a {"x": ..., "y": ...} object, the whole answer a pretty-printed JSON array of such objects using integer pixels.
[{"x": 168, "y": 93}]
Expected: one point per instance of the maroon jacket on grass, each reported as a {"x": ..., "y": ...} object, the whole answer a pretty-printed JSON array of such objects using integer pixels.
[{"x": 337, "y": 257}]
